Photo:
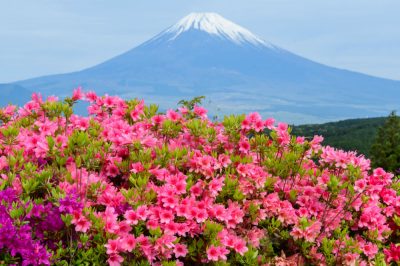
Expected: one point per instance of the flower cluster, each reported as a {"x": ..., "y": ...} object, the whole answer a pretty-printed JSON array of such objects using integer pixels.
[
  {"x": 23, "y": 228},
  {"x": 131, "y": 184}
]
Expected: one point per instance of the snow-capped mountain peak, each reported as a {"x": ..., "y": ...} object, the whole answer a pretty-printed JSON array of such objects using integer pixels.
[{"x": 215, "y": 24}]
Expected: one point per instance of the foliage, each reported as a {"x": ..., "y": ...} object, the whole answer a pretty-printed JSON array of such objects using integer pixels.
[
  {"x": 129, "y": 185},
  {"x": 349, "y": 135},
  {"x": 190, "y": 104},
  {"x": 385, "y": 152}
]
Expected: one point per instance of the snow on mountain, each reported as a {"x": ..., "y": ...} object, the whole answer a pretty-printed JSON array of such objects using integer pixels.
[
  {"x": 206, "y": 54},
  {"x": 212, "y": 23}
]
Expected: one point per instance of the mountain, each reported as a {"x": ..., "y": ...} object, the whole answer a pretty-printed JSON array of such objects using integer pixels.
[
  {"x": 206, "y": 54},
  {"x": 13, "y": 94}
]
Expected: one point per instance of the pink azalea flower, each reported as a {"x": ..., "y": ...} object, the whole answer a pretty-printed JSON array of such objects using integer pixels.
[
  {"x": 254, "y": 117},
  {"x": 259, "y": 126},
  {"x": 350, "y": 258},
  {"x": 196, "y": 190},
  {"x": 142, "y": 212},
  {"x": 219, "y": 212},
  {"x": 137, "y": 167},
  {"x": 113, "y": 246},
  {"x": 254, "y": 237},
  {"x": 180, "y": 250},
  {"x": 180, "y": 187},
  {"x": 82, "y": 225},
  {"x": 77, "y": 94},
  {"x": 213, "y": 253},
  {"x": 182, "y": 229},
  {"x": 224, "y": 160},
  {"x": 392, "y": 253},
  {"x": 360, "y": 185},
  {"x": 172, "y": 115},
  {"x": 201, "y": 215},
  {"x": 244, "y": 146},
  {"x": 158, "y": 119},
  {"x": 216, "y": 185},
  {"x": 240, "y": 246},
  {"x": 282, "y": 127},
  {"x": 114, "y": 259},
  {"x": 91, "y": 96},
  {"x": 200, "y": 111},
  {"x": 370, "y": 250},
  {"x": 123, "y": 228},
  {"x": 3, "y": 162},
  {"x": 246, "y": 124},
  {"x": 283, "y": 138},
  {"x": 128, "y": 243},
  {"x": 131, "y": 217},
  {"x": 222, "y": 253},
  {"x": 152, "y": 224},
  {"x": 312, "y": 231},
  {"x": 166, "y": 216},
  {"x": 269, "y": 123},
  {"x": 183, "y": 110},
  {"x": 297, "y": 233},
  {"x": 9, "y": 110}
]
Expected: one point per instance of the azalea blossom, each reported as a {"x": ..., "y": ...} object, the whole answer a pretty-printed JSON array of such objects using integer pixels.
[{"x": 130, "y": 184}]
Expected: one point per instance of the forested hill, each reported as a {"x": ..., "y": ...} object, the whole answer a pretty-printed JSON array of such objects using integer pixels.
[{"x": 352, "y": 134}]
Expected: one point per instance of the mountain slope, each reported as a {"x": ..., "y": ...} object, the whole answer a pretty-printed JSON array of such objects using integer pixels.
[
  {"x": 350, "y": 135},
  {"x": 205, "y": 54},
  {"x": 14, "y": 94}
]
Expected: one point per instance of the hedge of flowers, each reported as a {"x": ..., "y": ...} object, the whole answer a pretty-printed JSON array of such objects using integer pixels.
[{"x": 128, "y": 185}]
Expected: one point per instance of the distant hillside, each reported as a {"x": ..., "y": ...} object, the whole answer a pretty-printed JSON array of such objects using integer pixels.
[
  {"x": 13, "y": 94},
  {"x": 353, "y": 134}
]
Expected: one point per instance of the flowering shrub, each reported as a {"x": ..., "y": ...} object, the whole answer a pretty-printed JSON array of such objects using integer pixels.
[{"x": 129, "y": 185}]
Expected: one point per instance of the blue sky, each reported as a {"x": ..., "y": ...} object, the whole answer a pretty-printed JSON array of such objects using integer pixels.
[{"x": 47, "y": 37}]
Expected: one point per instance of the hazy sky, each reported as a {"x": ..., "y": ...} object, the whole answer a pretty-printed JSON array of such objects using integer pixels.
[{"x": 46, "y": 37}]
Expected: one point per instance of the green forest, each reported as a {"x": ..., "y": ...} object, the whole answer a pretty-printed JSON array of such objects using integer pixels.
[{"x": 350, "y": 135}]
